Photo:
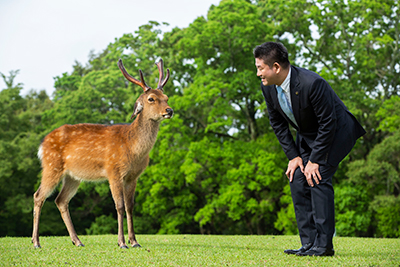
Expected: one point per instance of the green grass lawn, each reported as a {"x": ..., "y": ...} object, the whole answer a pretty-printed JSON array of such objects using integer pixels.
[{"x": 194, "y": 250}]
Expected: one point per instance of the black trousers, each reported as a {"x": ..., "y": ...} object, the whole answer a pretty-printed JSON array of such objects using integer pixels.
[{"x": 314, "y": 206}]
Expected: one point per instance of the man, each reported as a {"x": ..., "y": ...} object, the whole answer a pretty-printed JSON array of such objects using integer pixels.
[{"x": 326, "y": 132}]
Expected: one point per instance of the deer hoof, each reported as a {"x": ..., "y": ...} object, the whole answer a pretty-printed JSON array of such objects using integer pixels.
[
  {"x": 38, "y": 246},
  {"x": 124, "y": 246},
  {"x": 79, "y": 245},
  {"x": 136, "y": 246}
]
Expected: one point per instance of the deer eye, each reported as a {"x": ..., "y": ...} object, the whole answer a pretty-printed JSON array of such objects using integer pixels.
[{"x": 151, "y": 99}]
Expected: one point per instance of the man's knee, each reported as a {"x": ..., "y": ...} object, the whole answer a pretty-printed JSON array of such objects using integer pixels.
[{"x": 298, "y": 177}]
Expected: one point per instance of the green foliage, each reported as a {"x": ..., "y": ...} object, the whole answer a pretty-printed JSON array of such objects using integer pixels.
[
  {"x": 246, "y": 192},
  {"x": 379, "y": 174},
  {"x": 286, "y": 221},
  {"x": 351, "y": 211},
  {"x": 103, "y": 225},
  {"x": 387, "y": 209},
  {"x": 389, "y": 115},
  {"x": 217, "y": 167},
  {"x": 20, "y": 127},
  {"x": 98, "y": 99},
  {"x": 378, "y": 177}
]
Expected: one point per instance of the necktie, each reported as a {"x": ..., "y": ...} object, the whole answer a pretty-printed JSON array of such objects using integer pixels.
[{"x": 283, "y": 101}]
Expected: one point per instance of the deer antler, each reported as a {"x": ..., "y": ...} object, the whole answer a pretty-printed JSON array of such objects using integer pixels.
[
  {"x": 161, "y": 80},
  {"x": 141, "y": 83}
]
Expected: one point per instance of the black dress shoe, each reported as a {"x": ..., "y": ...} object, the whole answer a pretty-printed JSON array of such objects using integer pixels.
[
  {"x": 317, "y": 251},
  {"x": 302, "y": 249}
]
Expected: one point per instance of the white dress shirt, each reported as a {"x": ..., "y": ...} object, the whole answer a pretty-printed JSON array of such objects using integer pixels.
[{"x": 286, "y": 87}]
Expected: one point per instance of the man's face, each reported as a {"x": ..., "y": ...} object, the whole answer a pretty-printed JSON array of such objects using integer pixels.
[{"x": 268, "y": 75}]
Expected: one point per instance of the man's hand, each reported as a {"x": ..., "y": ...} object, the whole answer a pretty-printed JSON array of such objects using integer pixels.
[
  {"x": 292, "y": 166},
  {"x": 312, "y": 172}
]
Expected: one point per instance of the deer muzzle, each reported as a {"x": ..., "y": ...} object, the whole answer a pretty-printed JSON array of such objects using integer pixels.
[{"x": 169, "y": 113}]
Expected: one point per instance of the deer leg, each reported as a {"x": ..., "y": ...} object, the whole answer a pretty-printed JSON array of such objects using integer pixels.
[
  {"x": 118, "y": 196},
  {"x": 47, "y": 186},
  {"x": 70, "y": 186},
  {"x": 129, "y": 194}
]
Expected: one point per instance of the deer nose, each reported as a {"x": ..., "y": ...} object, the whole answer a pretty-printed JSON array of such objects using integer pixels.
[{"x": 170, "y": 111}]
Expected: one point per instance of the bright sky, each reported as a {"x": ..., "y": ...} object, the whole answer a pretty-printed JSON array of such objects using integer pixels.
[{"x": 43, "y": 38}]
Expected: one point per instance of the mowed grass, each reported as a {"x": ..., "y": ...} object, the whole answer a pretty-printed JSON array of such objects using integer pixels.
[{"x": 194, "y": 250}]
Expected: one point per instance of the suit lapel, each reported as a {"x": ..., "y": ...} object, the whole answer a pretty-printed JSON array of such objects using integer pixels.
[
  {"x": 295, "y": 95},
  {"x": 274, "y": 95}
]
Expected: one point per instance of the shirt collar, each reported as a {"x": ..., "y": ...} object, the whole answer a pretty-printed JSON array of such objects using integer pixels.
[{"x": 286, "y": 83}]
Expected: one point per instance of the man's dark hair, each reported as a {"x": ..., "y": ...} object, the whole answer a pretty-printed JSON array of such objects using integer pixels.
[{"x": 271, "y": 52}]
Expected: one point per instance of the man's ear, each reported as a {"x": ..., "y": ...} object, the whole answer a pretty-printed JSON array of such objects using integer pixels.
[
  {"x": 138, "y": 108},
  {"x": 277, "y": 68}
]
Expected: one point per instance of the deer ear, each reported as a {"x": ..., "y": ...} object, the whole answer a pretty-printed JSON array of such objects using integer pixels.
[{"x": 138, "y": 108}]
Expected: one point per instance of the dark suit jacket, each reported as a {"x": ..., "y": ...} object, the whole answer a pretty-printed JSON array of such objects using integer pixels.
[{"x": 324, "y": 122}]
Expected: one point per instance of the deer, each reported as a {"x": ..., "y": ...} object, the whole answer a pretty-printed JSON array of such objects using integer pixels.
[{"x": 118, "y": 153}]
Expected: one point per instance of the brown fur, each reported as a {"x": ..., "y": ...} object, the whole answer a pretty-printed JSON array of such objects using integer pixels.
[{"x": 93, "y": 152}]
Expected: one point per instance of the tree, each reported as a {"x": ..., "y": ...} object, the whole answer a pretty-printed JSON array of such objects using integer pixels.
[
  {"x": 219, "y": 148},
  {"x": 20, "y": 135}
]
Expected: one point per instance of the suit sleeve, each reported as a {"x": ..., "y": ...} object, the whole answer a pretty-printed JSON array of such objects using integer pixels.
[
  {"x": 280, "y": 126},
  {"x": 322, "y": 100}
]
